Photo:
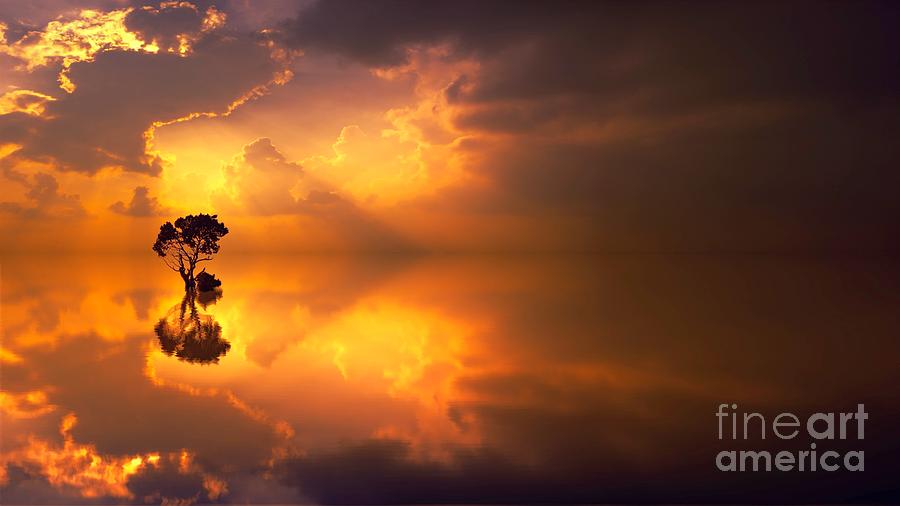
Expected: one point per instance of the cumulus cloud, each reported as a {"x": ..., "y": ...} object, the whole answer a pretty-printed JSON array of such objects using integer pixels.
[
  {"x": 141, "y": 204},
  {"x": 383, "y": 168},
  {"x": 43, "y": 198},
  {"x": 261, "y": 181}
]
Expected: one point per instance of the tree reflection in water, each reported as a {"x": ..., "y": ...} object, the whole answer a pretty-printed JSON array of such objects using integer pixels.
[{"x": 190, "y": 335}]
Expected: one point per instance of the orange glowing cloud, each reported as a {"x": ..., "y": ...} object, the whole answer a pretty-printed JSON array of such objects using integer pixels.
[
  {"x": 181, "y": 64},
  {"x": 25, "y": 405},
  {"x": 79, "y": 469},
  {"x": 79, "y": 466},
  {"x": 419, "y": 153},
  {"x": 29, "y": 102},
  {"x": 261, "y": 181},
  {"x": 67, "y": 41},
  {"x": 70, "y": 41}
]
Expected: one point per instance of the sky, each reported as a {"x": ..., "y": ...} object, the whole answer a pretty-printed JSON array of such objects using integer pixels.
[{"x": 452, "y": 126}]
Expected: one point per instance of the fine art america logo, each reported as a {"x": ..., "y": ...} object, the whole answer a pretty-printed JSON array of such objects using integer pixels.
[{"x": 823, "y": 427}]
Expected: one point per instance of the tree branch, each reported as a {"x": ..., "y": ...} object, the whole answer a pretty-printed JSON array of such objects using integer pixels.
[{"x": 170, "y": 263}]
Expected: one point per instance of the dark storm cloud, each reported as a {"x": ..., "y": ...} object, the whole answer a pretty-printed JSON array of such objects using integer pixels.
[
  {"x": 725, "y": 125},
  {"x": 377, "y": 33},
  {"x": 122, "y": 93},
  {"x": 165, "y": 25},
  {"x": 15, "y": 126},
  {"x": 596, "y": 47},
  {"x": 119, "y": 95},
  {"x": 22, "y": 17},
  {"x": 167, "y": 482},
  {"x": 802, "y": 182}
]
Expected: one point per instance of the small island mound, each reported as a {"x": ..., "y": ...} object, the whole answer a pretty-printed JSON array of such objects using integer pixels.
[{"x": 207, "y": 282}]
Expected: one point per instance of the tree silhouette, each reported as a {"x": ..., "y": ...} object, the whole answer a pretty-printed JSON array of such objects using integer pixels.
[
  {"x": 190, "y": 335},
  {"x": 191, "y": 240}
]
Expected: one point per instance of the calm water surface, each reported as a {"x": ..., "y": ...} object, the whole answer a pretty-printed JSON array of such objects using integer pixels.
[{"x": 435, "y": 379}]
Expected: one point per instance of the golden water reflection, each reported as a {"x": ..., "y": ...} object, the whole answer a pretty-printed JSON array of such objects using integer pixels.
[
  {"x": 342, "y": 379},
  {"x": 190, "y": 335}
]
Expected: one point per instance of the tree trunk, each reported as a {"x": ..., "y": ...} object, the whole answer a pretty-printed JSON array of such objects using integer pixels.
[
  {"x": 190, "y": 282},
  {"x": 188, "y": 278}
]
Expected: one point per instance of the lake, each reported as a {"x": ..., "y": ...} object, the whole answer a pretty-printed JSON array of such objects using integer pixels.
[{"x": 454, "y": 379}]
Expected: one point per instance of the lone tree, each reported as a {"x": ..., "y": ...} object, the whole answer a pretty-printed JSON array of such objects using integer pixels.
[{"x": 191, "y": 240}]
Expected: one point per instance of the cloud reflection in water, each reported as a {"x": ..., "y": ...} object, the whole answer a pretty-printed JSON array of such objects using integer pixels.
[{"x": 438, "y": 379}]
